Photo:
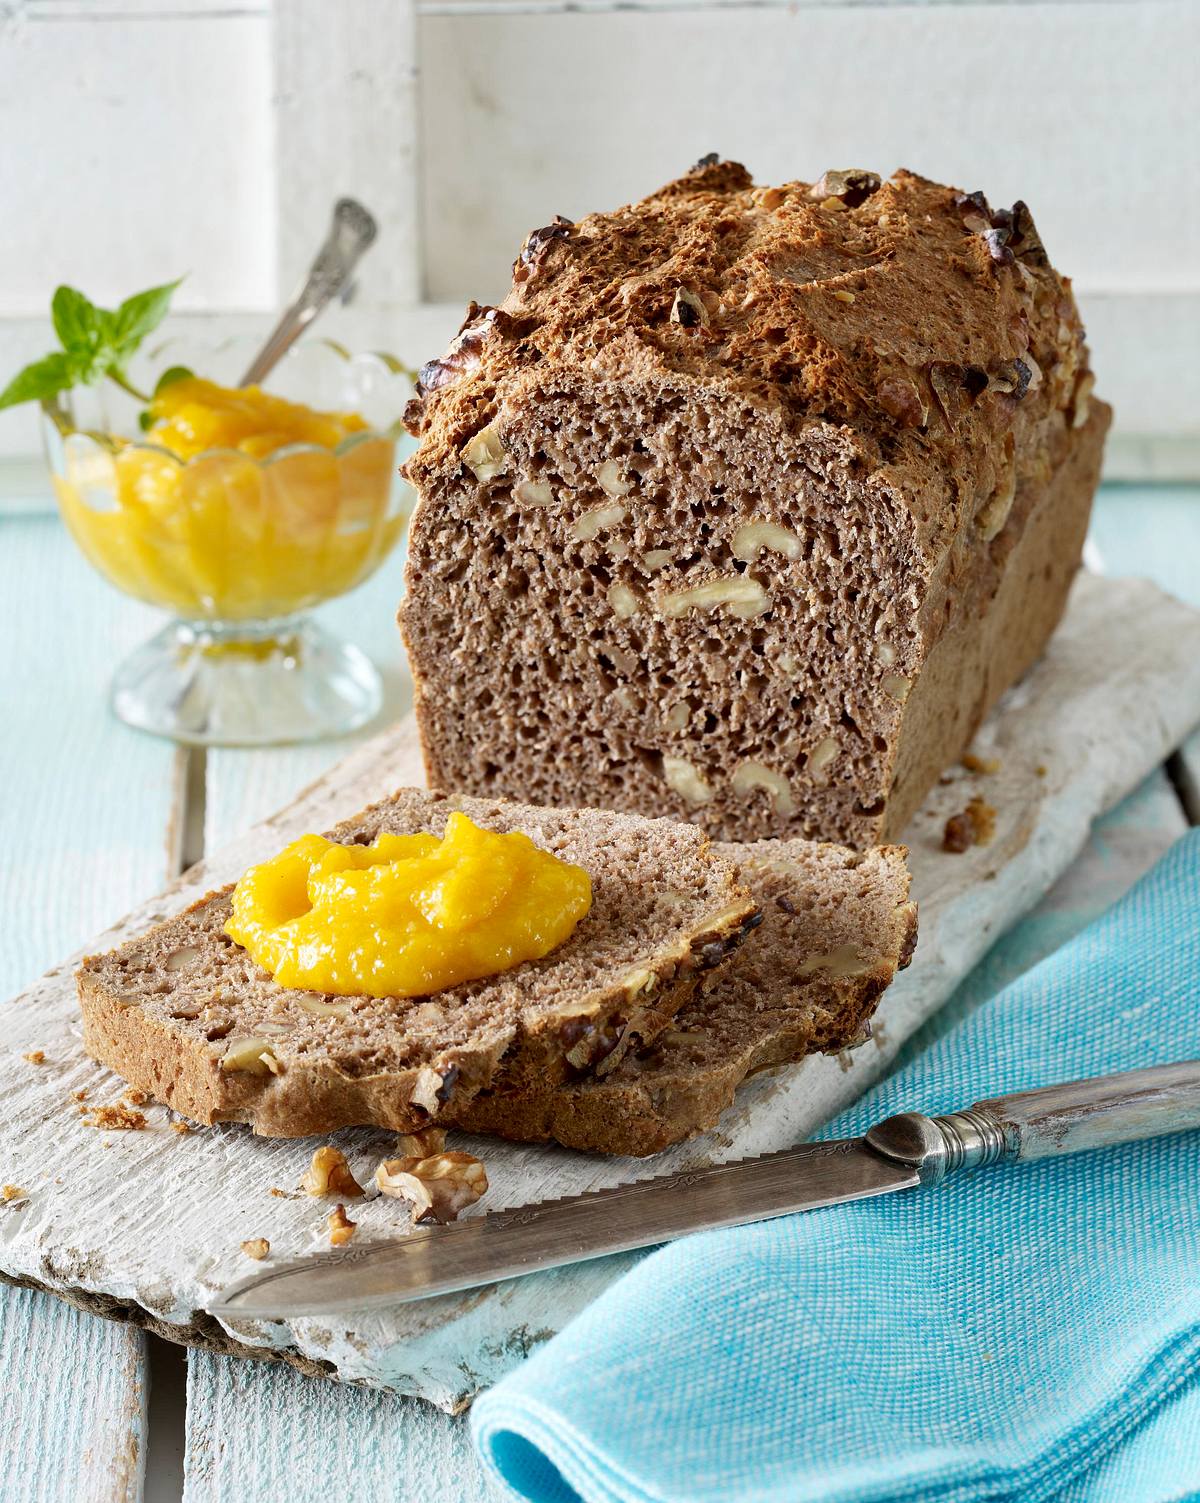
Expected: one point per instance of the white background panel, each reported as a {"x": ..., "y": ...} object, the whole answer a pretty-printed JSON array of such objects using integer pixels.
[
  {"x": 136, "y": 148},
  {"x": 1084, "y": 110}
]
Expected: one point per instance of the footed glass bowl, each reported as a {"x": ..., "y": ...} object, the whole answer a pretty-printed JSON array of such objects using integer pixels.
[{"x": 238, "y": 547}]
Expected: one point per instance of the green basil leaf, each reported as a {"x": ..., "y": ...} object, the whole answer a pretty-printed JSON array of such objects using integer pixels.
[
  {"x": 171, "y": 375},
  {"x": 77, "y": 322},
  {"x": 138, "y": 316},
  {"x": 44, "y": 378}
]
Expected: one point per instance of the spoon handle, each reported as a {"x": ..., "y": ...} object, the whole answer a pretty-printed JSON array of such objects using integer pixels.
[{"x": 352, "y": 231}]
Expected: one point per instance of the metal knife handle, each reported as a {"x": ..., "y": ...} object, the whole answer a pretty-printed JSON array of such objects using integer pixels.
[{"x": 1040, "y": 1124}]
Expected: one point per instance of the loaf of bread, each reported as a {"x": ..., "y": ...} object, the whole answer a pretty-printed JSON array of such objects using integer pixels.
[
  {"x": 183, "y": 1013},
  {"x": 747, "y": 503},
  {"x": 837, "y": 926}
]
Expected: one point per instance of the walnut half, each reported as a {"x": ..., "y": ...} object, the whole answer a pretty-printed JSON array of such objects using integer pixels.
[{"x": 439, "y": 1187}]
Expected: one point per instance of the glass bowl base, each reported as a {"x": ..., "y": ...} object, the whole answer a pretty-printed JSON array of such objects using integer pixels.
[{"x": 246, "y": 684}]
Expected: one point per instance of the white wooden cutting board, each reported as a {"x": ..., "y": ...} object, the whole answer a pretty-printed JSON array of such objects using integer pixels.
[{"x": 146, "y": 1225}]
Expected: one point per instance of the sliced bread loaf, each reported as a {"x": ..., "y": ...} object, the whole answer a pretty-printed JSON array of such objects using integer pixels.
[
  {"x": 184, "y": 1013},
  {"x": 747, "y": 503},
  {"x": 836, "y": 928}
]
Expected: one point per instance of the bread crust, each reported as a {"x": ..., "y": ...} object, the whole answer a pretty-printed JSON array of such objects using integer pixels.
[
  {"x": 681, "y": 1085},
  {"x": 891, "y": 376},
  {"x": 166, "y": 1008}
]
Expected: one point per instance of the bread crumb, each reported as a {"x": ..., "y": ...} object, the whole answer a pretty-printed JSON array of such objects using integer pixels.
[
  {"x": 257, "y": 1248},
  {"x": 1040, "y": 770},
  {"x": 341, "y": 1228},
  {"x": 13, "y": 1192},
  {"x": 134, "y": 1097},
  {"x": 79, "y": 1095},
  {"x": 118, "y": 1117},
  {"x": 181, "y": 1127},
  {"x": 984, "y": 765},
  {"x": 974, "y": 826},
  {"x": 36, "y": 1057}
]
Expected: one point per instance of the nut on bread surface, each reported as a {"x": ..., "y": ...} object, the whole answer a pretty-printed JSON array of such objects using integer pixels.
[
  {"x": 837, "y": 925},
  {"x": 185, "y": 1014},
  {"x": 747, "y": 503}
]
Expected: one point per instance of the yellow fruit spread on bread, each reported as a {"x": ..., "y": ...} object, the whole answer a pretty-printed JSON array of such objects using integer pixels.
[{"x": 408, "y": 914}]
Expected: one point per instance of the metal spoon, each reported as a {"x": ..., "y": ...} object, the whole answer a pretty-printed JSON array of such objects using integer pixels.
[{"x": 352, "y": 231}]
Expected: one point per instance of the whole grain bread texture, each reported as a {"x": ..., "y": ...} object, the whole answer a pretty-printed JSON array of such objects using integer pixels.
[
  {"x": 747, "y": 503},
  {"x": 184, "y": 1013},
  {"x": 837, "y": 925}
]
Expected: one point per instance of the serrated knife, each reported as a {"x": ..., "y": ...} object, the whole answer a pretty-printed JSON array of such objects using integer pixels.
[{"x": 900, "y": 1153}]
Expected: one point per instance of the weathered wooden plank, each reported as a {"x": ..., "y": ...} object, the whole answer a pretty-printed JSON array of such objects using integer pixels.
[
  {"x": 1155, "y": 532},
  {"x": 270, "y": 1432},
  {"x": 82, "y": 825},
  {"x": 86, "y": 800},
  {"x": 73, "y": 1403},
  {"x": 1152, "y": 532}
]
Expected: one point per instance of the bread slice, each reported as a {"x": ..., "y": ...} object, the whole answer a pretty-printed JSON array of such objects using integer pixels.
[
  {"x": 184, "y": 1013},
  {"x": 747, "y": 503},
  {"x": 837, "y": 926}
]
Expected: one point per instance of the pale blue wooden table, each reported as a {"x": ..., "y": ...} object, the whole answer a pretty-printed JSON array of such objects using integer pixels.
[{"x": 94, "y": 817}]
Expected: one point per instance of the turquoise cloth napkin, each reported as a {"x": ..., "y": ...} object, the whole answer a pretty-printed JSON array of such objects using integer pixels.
[{"x": 1030, "y": 1332}]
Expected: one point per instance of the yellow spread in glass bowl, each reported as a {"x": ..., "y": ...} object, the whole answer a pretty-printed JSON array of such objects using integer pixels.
[
  {"x": 237, "y": 505},
  {"x": 408, "y": 915}
]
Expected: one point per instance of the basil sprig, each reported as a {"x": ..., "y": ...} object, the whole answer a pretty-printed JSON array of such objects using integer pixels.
[{"x": 96, "y": 342}]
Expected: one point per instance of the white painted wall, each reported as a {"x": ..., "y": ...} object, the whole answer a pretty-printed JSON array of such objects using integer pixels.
[
  {"x": 1086, "y": 111},
  {"x": 139, "y": 138},
  {"x": 134, "y": 149}
]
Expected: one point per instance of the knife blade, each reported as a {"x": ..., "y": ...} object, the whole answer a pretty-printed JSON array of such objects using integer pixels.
[
  {"x": 503, "y": 1244},
  {"x": 900, "y": 1153}
]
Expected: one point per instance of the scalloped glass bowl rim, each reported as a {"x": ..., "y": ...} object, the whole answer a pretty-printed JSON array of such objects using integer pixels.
[{"x": 55, "y": 409}]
